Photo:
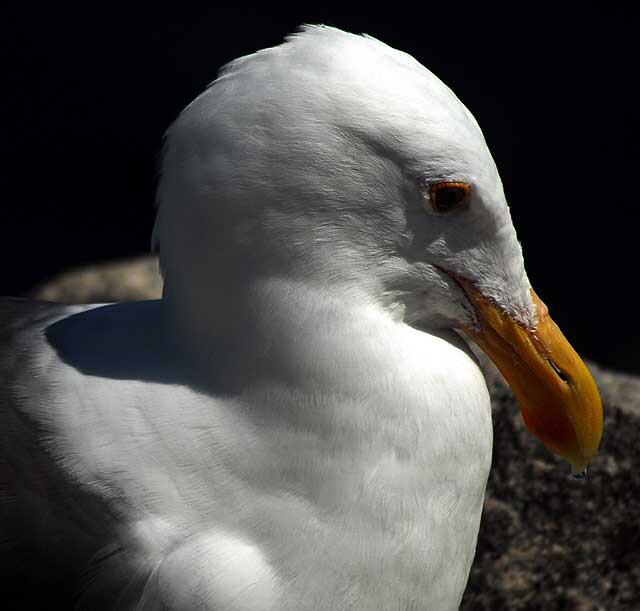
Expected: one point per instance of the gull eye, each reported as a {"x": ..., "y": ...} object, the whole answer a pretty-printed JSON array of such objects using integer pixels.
[{"x": 445, "y": 197}]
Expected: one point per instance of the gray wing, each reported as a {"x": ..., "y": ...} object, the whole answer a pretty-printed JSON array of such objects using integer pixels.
[
  {"x": 60, "y": 545},
  {"x": 46, "y": 534}
]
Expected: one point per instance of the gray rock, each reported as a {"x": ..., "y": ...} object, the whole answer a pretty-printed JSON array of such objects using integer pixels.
[
  {"x": 126, "y": 280},
  {"x": 547, "y": 542}
]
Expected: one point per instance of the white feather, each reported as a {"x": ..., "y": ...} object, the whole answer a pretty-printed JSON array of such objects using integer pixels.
[{"x": 294, "y": 426}]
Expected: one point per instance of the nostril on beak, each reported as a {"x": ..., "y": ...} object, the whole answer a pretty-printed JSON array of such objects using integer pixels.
[{"x": 558, "y": 371}]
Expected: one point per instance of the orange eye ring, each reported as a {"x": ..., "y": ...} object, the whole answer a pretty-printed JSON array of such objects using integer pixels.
[{"x": 446, "y": 197}]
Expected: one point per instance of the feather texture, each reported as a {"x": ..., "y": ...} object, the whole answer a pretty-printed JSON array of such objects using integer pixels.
[{"x": 294, "y": 426}]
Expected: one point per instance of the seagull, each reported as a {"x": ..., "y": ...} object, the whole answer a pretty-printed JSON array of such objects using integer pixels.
[{"x": 299, "y": 423}]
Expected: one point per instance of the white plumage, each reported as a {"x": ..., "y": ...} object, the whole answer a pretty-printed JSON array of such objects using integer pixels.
[{"x": 295, "y": 426}]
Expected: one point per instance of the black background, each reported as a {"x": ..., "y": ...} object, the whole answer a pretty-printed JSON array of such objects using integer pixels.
[{"x": 87, "y": 94}]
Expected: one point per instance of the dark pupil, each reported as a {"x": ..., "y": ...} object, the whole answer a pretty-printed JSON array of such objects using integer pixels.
[{"x": 448, "y": 198}]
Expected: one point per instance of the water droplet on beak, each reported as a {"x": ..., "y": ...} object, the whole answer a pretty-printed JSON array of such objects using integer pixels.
[{"x": 579, "y": 474}]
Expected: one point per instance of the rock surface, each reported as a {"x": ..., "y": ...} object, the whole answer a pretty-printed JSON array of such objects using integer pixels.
[
  {"x": 547, "y": 542},
  {"x": 127, "y": 280}
]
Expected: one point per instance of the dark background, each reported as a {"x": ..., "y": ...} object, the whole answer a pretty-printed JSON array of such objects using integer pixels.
[{"x": 87, "y": 94}]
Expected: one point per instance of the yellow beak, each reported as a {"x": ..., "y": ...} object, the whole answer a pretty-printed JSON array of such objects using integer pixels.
[{"x": 558, "y": 398}]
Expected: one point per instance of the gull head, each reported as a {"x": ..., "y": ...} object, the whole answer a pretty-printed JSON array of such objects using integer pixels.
[{"x": 348, "y": 168}]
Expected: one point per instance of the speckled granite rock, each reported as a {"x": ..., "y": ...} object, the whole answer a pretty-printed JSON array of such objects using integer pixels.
[
  {"x": 550, "y": 542},
  {"x": 547, "y": 542}
]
